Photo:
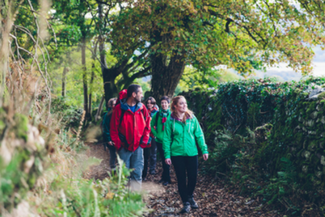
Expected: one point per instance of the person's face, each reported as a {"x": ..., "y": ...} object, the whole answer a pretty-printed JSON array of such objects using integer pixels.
[
  {"x": 164, "y": 104},
  {"x": 149, "y": 105},
  {"x": 181, "y": 106},
  {"x": 113, "y": 103},
  {"x": 138, "y": 96}
]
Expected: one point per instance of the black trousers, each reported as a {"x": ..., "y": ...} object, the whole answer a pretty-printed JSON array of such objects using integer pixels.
[
  {"x": 112, "y": 156},
  {"x": 185, "y": 167},
  {"x": 149, "y": 154},
  {"x": 165, "y": 174}
]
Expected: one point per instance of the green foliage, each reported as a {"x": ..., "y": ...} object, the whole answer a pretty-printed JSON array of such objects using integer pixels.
[
  {"x": 193, "y": 78},
  {"x": 71, "y": 190},
  {"x": 69, "y": 115},
  {"x": 20, "y": 161},
  {"x": 209, "y": 33},
  {"x": 282, "y": 160},
  {"x": 81, "y": 197}
]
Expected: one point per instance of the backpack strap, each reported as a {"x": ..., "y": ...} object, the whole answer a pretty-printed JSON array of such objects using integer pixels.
[
  {"x": 145, "y": 118},
  {"x": 157, "y": 114},
  {"x": 122, "y": 114}
]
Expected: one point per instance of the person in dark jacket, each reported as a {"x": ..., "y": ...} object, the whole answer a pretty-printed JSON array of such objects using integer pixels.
[
  {"x": 106, "y": 134},
  {"x": 130, "y": 132},
  {"x": 150, "y": 153},
  {"x": 157, "y": 129},
  {"x": 182, "y": 132}
]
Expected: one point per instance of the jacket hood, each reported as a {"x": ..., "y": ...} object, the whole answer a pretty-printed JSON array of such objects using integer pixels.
[{"x": 126, "y": 107}]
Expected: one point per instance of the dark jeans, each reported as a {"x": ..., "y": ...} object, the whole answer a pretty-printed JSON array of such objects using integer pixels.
[
  {"x": 165, "y": 175},
  {"x": 183, "y": 165},
  {"x": 150, "y": 153},
  {"x": 112, "y": 156}
]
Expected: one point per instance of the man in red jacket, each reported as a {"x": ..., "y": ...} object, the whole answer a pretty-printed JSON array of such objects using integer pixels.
[{"x": 130, "y": 129}]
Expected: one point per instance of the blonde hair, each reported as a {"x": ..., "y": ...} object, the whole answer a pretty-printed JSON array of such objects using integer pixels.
[{"x": 188, "y": 113}]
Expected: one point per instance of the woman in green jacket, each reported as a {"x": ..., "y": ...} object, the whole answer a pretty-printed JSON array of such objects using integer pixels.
[
  {"x": 181, "y": 133},
  {"x": 157, "y": 129}
]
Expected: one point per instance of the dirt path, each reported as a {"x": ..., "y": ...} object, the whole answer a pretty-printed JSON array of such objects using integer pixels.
[{"x": 213, "y": 199}]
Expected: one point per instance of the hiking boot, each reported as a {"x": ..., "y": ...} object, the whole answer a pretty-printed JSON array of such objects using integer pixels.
[
  {"x": 186, "y": 208},
  {"x": 193, "y": 203}
]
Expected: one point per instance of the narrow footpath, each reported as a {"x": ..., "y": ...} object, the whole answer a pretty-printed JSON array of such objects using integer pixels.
[{"x": 212, "y": 197}]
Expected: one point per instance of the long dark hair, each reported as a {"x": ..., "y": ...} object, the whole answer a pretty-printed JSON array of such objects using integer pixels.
[{"x": 153, "y": 101}]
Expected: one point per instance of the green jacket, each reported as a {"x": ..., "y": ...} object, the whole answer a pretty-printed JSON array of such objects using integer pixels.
[
  {"x": 180, "y": 138},
  {"x": 158, "y": 131}
]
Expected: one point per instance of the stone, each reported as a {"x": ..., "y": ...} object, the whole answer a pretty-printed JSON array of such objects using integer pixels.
[
  {"x": 322, "y": 160},
  {"x": 306, "y": 154},
  {"x": 319, "y": 174},
  {"x": 313, "y": 91},
  {"x": 312, "y": 132},
  {"x": 323, "y": 120},
  {"x": 310, "y": 123},
  {"x": 305, "y": 168},
  {"x": 314, "y": 115},
  {"x": 312, "y": 146}
]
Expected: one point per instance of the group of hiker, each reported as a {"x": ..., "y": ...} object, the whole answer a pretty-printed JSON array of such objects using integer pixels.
[{"x": 135, "y": 131}]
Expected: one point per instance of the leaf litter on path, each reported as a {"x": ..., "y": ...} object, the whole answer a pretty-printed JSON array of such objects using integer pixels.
[{"x": 213, "y": 198}]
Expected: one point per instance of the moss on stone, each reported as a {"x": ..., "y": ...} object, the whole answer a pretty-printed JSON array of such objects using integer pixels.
[
  {"x": 321, "y": 95},
  {"x": 21, "y": 126}
]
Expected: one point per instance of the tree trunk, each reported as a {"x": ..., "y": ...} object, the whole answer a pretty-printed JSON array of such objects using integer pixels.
[
  {"x": 109, "y": 75},
  {"x": 84, "y": 76},
  {"x": 100, "y": 108},
  {"x": 110, "y": 87},
  {"x": 166, "y": 78},
  {"x": 64, "y": 78},
  {"x": 91, "y": 88}
]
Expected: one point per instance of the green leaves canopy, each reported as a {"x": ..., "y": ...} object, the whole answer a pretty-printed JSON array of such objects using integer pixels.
[{"x": 213, "y": 32}]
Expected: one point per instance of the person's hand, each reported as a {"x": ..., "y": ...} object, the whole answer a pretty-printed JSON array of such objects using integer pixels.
[
  {"x": 205, "y": 156},
  {"x": 111, "y": 143},
  {"x": 168, "y": 161}
]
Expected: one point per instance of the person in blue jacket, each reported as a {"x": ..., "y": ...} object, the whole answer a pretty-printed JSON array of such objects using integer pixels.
[{"x": 106, "y": 134}]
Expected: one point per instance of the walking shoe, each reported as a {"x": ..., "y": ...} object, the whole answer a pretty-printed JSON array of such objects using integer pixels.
[
  {"x": 193, "y": 203},
  {"x": 166, "y": 183},
  {"x": 186, "y": 208},
  {"x": 152, "y": 172}
]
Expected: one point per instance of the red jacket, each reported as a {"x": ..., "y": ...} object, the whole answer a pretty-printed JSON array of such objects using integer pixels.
[{"x": 134, "y": 129}]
